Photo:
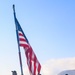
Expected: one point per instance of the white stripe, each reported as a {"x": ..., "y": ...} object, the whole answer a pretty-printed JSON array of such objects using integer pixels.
[
  {"x": 32, "y": 63},
  {"x": 37, "y": 64},
  {"x": 21, "y": 37},
  {"x": 20, "y": 32},
  {"x": 28, "y": 61},
  {"x": 37, "y": 67},
  {"x": 23, "y": 42},
  {"x": 32, "y": 56},
  {"x": 32, "y": 67}
]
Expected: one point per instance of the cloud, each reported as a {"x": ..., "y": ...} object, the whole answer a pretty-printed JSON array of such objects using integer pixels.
[{"x": 55, "y": 66}]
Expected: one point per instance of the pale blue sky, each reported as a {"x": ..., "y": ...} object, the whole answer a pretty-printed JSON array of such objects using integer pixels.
[{"x": 48, "y": 24}]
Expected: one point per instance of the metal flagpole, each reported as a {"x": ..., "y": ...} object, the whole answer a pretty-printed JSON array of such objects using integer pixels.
[{"x": 18, "y": 41}]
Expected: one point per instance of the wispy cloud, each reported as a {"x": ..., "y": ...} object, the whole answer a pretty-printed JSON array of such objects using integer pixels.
[{"x": 55, "y": 66}]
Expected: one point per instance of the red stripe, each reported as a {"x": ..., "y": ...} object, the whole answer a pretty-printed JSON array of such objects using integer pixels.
[
  {"x": 22, "y": 39},
  {"x": 30, "y": 56},
  {"x": 20, "y": 34},
  {"x": 34, "y": 66},
  {"x": 24, "y": 45},
  {"x": 39, "y": 68}
]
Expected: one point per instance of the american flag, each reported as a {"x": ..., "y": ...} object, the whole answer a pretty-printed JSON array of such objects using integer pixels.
[{"x": 32, "y": 61}]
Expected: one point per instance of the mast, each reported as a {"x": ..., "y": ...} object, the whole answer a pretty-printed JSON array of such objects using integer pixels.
[{"x": 18, "y": 42}]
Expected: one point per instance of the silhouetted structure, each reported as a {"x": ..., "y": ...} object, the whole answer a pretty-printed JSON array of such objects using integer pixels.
[
  {"x": 14, "y": 73},
  {"x": 67, "y": 72},
  {"x": 39, "y": 74}
]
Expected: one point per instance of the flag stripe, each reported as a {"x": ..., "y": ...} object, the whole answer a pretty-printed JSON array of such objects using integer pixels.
[
  {"x": 22, "y": 39},
  {"x": 20, "y": 34}
]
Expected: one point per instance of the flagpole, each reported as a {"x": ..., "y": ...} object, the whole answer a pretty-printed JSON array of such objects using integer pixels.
[{"x": 18, "y": 43}]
